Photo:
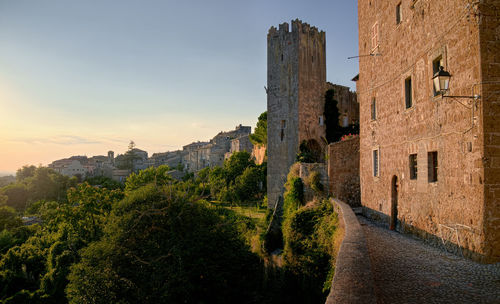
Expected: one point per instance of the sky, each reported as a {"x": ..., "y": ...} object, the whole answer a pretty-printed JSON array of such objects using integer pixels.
[{"x": 84, "y": 77}]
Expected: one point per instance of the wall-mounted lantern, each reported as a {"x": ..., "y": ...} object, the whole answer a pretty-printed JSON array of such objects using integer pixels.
[{"x": 442, "y": 84}]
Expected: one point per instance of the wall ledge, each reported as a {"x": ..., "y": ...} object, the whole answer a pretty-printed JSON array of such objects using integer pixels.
[{"x": 353, "y": 279}]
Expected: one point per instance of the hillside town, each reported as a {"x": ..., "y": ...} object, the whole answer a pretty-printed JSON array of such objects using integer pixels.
[{"x": 193, "y": 157}]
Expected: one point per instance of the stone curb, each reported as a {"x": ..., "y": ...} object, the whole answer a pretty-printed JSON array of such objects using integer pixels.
[{"x": 353, "y": 280}]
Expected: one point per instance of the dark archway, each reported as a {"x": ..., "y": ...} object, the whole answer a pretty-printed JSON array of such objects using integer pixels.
[
  {"x": 394, "y": 203},
  {"x": 315, "y": 149}
]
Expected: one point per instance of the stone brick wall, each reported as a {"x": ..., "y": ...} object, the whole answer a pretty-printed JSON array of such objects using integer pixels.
[
  {"x": 305, "y": 170},
  {"x": 463, "y": 200},
  {"x": 259, "y": 154},
  {"x": 343, "y": 171},
  {"x": 296, "y": 77},
  {"x": 489, "y": 36},
  {"x": 199, "y": 155}
]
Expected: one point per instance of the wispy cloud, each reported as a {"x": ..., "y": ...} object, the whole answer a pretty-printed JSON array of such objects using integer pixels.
[
  {"x": 199, "y": 125},
  {"x": 58, "y": 140}
]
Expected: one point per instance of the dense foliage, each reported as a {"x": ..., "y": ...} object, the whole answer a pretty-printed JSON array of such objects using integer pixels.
[
  {"x": 163, "y": 247},
  {"x": 34, "y": 184},
  {"x": 259, "y": 136},
  {"x": 6, "y": 180},
  {"x": 154, "y": 239},
  {"x": 239, "y": 180},
  {"x": 127, "y": 160},
  {"x": 308, "y": 233},
  {"x": 35, "y": 267}
]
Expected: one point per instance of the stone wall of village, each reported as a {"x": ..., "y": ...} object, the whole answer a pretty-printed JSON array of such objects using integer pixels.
[{"x": 343, "y": 171}]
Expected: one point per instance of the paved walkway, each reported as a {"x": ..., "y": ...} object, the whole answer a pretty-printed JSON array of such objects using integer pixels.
[{"x": 406, "y": 270}]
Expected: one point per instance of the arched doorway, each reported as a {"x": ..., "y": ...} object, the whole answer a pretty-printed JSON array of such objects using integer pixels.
[
  {"x": 394, "y": 203},
  {"x": 315, "y": 149}
]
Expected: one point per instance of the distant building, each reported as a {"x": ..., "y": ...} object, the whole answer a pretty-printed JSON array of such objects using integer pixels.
[
  {"x": 70, "y": 167},
  {"x": 172, "y": 159},
  {"x": 200, "y": 155},
  {"x": 240, "y": 144}
]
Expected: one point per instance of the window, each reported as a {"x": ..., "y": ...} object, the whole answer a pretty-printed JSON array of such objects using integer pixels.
[
  {"x": 345, "y": 121},
  {"x": 283, "y": 126},
  {"x": 374, "y": 109},
  {"x": 436, "y": 63},
  {"x": 408, "y": 93},
  {"x": 321, "y": 121},
  {"x": 399, "y": 15},
  {"x": 413, "y": 166},
  {"x": 375, "y": 163},
  {"x": 432, "y": 166},
  {"x": 374, "y": 36},
  {"x": 281, "y": 57}
]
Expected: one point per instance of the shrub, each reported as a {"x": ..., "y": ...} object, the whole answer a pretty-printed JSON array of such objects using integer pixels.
[
  {"x": 308, "y": 235},
  {"x": 314, "y": 181},
  {"x": 161, "y": 247}
]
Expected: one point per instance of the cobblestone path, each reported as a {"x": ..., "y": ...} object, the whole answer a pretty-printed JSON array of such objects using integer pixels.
[{"x": 406, "y": 270}]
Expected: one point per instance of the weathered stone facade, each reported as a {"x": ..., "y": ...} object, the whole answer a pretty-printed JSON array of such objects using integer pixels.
[
  {"x": 240, "y": 144},
  {"x": 170, "y": 158},
  {"x": 343, "y": 171},
  {"x": 200, "y": 155},
  {"x": 347, "y": 104},
  {"x": 259, "y": 154},
  {"x": 437, "y": 160},
  {"x": 296, "y": 78}
]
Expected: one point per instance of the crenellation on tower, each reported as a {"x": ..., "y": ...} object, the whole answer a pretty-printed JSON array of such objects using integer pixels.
[
  {"x": 272, "y": 32},
  {"x": 284, "y": 28}
]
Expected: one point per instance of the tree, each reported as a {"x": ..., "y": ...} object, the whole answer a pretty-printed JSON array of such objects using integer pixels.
[
  {"x": 129, "y": 158},
  {"x": 7, "y": 180},
  {"x": 105, "y": 182},
  {"x": 247, "y": 185},
  {"x": 158, "y": 176},
  {"x": 236, "y": 164},
  {"x": 25, "y": 172},
  {"x": 333, "y": 129},
  {"x": 3, "y": 199},
  {"x": 259, "y": 136},
  {"x": 17, "y": 194},
  {"x": 161, "y": 247},
  {"x": 9, "y": 218},
  {"x": 216, "y": 181}
]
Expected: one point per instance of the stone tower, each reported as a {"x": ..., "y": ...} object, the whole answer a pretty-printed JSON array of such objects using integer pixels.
[
  {"x": 111, "y": 157},
  {"x": 296, "y": 79}
]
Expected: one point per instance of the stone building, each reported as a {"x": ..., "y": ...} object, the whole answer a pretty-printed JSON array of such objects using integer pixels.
[
  {"x": 170, "y": 158},
  {"x": 347, "y": 104},
  {"x": 200, "y": 155},
  {"x": 191, "y": 158},
  {"x": 431, "y": 165},
  {"x": 296, "y": 79},
  {"x": 240, "y": 144}
]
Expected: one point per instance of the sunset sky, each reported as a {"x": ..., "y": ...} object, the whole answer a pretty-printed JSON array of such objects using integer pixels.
[{"x": 85, "y": 77}]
